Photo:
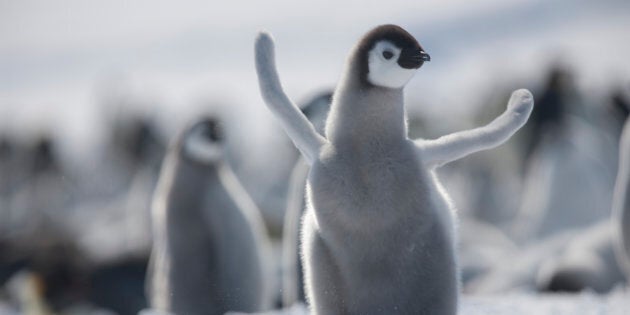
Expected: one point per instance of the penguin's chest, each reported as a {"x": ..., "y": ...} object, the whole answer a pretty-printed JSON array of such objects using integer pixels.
[{"x": 376, "y": 188}]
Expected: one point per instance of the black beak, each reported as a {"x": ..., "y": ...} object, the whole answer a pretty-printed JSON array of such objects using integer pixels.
[
  {"x": 412, "y": 58},
  {"x": 425, "y": 56}
]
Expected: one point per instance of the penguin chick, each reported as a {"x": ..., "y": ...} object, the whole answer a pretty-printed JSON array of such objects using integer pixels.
[
  {"x": 208, "y": 234},
  {"x": 621, "y": 204},
  {"x": 378, "y": 235}
]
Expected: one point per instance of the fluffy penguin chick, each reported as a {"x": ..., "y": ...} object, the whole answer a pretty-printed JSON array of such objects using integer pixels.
[
  {"x": 378, "y": 235},
  {"x": 208, "y": 234},
  {"x": 621, "y": 203}
]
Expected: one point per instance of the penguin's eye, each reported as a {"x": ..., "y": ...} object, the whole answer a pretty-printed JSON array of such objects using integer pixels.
[{"x": 388, "y": 54}]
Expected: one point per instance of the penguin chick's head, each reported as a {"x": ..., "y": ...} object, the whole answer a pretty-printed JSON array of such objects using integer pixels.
[
  {"x": 389, "y": 56},
  {"x": 203, "y": 142}
]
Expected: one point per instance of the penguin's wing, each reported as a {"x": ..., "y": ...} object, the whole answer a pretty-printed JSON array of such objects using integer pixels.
[
  {"x": 297, "y": 126},
  {"x": 457, "y": 145}
]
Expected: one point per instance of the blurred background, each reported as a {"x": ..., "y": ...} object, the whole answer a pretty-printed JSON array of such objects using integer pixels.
[{"x": 92, "y": 93}]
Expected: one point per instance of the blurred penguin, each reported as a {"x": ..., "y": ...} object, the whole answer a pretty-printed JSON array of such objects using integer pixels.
[
  {"x": 34, "y": 233},
  {"x": 114, "y": 220},
  {"x": 208, "y": 235},
  {"x": 138, "y": 141},
  {"x": 598, "y": 258},
  {"x": 516, "y": 271},
  {"x": 587, "y": 262},
  {"x": 549, "y": 116},
  {"x": 43, "y": 202},
  {"x": 621, "y": 204},
  {"x": 569, "y": 173},
  {"x": 8, "y": 182},
  {"x": 618, "y": 109},
  {"x": 575, "y": 260},
  {"x": 316, "y": 111}
]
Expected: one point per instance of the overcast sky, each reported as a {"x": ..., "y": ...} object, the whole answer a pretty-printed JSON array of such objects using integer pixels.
[{"x": 60, "y": 59}]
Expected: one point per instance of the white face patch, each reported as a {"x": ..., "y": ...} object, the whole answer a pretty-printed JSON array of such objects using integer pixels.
[
  {"x": 198, "y": 147},
  {"x": 383, "y": 66}
]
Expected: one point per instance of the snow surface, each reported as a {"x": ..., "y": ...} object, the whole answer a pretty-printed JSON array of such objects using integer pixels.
[{"x": 615, "y": 303}]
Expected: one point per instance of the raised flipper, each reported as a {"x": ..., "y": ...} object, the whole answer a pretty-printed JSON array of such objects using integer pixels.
[
  {"x": 297, "y": 126},
  {"x": 457, "y": 145}
]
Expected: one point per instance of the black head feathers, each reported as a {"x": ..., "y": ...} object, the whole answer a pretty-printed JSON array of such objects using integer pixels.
[
  {"x": 211, "y": 129},
  {"x": 412, "y": 55}
]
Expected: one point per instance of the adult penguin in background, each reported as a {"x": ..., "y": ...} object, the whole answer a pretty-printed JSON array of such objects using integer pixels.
[
  {"x": 316, "y": 111},
  {"x": 209, "y": 239},
  {"x": 378, "y": 235},
  {"x": 621, "y": 204},
  {"x": 598, "y": 258}
]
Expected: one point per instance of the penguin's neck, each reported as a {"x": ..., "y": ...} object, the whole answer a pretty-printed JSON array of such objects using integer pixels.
[
  {"x": 189, "y": 171},
  {"x": 362, "y": 116}
]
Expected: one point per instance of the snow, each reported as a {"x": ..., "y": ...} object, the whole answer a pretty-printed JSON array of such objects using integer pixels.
[{"x": 615, "y": 303}]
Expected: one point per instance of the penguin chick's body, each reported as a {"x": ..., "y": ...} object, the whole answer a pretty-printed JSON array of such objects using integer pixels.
[
  {"x": 378, "y": 235},
  {"x": 208, "y": 234},
  {"x": 621, "y": 203}
]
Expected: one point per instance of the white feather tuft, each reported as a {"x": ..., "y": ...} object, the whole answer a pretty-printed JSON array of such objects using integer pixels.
[{"x": 387, "y": 72}]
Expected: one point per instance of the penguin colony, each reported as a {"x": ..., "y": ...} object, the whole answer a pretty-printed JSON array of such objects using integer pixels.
[
  {"x": 208, "y": 234},
  {"x": 378, "y": 235}
]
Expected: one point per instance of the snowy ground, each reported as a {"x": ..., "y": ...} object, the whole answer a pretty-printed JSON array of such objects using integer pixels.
[{"x": 615, "y": 303}]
